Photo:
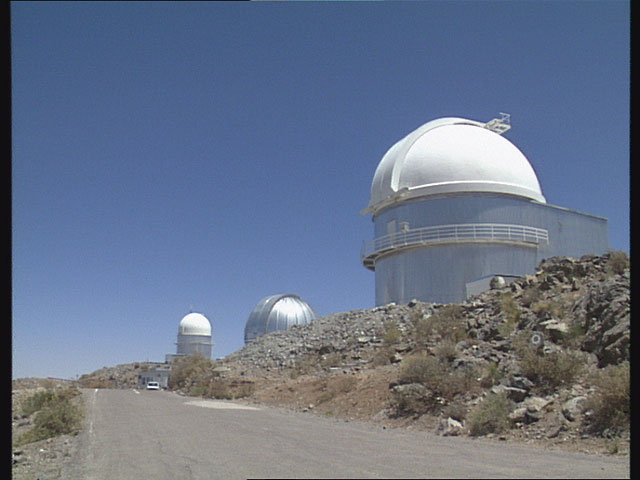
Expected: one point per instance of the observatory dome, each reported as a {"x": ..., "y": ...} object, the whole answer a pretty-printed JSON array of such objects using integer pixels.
[
  {"x": 194, "y": 324},
  {"x": 452, "y": 155},
  {"x": 277, "y": 312}
]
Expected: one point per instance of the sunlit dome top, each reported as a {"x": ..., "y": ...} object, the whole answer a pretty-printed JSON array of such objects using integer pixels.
[
  {"x": 451, "y": 155},
  {"x": 194, "y": 324},
  {"x": 277, "y": 312}
]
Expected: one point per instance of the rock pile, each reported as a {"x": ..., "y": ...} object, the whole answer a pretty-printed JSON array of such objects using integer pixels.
[{"x": 350, "y": 335}]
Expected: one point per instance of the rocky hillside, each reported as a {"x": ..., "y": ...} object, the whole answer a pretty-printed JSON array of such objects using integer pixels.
[
  {"x": 544, "y": 359},
  {"x": 574, "y": 304}
]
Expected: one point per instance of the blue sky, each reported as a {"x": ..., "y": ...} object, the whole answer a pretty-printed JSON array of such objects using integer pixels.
[{"x": 176, "y": 156}]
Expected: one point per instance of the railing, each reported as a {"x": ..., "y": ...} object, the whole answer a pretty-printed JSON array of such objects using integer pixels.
[{"x": 464, "y": 233}]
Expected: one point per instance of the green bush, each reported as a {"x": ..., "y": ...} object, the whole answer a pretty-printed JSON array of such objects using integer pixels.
[
  {"x": 491, "y": 415},
  {"x": 611, "y": 405}
]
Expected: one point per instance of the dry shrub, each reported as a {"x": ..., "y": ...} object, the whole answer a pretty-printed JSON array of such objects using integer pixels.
[
  {"x": 492, "y": 375},
  {"x": 447, "y": 323},
  {"x": 191, "y": 372},
  {"x": 551, "y": 370},
  {"x": 413, "y": 398},
  {"x": 421, "y": 368},
  {"x": 446, "y": 351},
  {"x": 38, "y": 401},
  {"x": 491, "y": 415},
  {"x": 611, "y": 405},
  {"x": 553, "y": 308},
  {"x": 226, "y": 389},
  {"x": 392, "y": 334},
  {"x": 89, "y": 381},
  {"x": 56, "y": 414},
  {"x": 343, "y": 383},
  {"x": 304, "y": 365},
  {"x": 336, "y": 386},
  {"x": 617, "y": 263},
  {"x": 436, "y": 375},
  {"x": 455, "y": 410},
  {"x": 575, "y": 336},
  {"x": 334, "y": 359},
  {"x": 509, "y": 307},
  {"x": 529, "y": 296},
  {"x": 381, "y": 356}
]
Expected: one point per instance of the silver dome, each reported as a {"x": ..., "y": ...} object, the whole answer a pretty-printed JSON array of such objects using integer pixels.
[{"x": 277, "y": 312}]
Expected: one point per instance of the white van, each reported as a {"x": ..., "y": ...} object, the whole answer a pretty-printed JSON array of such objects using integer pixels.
[{"x": 153, "y": 386}]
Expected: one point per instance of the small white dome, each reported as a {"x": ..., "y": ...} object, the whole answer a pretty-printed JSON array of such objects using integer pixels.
[
  {"x": 194, "y": 324},
  {"x": 451, "y": 155}
]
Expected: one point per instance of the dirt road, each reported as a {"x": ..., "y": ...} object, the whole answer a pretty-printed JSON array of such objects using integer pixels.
[{"x": 154, "y": 434}]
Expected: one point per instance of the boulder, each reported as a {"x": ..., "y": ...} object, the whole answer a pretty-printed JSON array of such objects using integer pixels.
[
  {"x": 518, "y": 415},
  {"x": 516, "y": 394},
  {"x": 555, "y": 329},
  {"x": 449, "y": 427},
  {"x": 520, "y": 381},
  {"x": 572, "y": 408}
]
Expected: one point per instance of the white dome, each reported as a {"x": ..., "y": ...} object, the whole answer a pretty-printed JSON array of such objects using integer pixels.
[
  {"x": 451, "y": 155},
  {"x": 194, "y": 324}
]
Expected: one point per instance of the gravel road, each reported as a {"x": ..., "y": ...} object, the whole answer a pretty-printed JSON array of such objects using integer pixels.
[{"x": 134, "y": 434}]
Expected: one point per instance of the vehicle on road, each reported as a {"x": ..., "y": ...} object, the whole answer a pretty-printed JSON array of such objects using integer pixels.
[{"x": 153, "y": 386}]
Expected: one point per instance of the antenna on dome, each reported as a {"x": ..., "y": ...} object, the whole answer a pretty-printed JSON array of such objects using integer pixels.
[{"x": 499, "y": 125}]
